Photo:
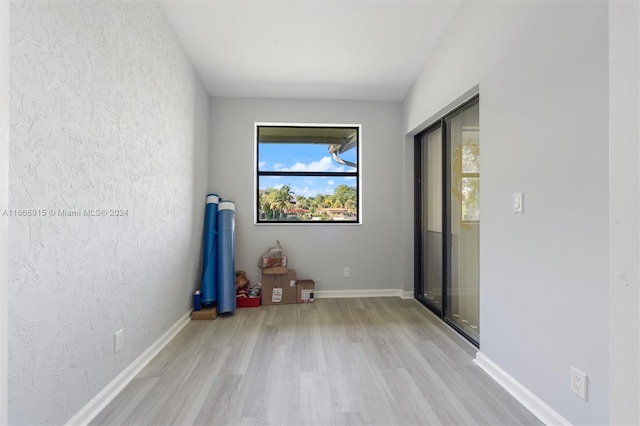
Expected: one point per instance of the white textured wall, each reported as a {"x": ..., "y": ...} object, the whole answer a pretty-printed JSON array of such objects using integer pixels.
[
  {"x": 542, "y": 69},
  {"x": 4, "y": 197},
  {"x": 106, "y": 112},
  {"x": 320, "y": 252},
  {"x": 624, "y": 207}
]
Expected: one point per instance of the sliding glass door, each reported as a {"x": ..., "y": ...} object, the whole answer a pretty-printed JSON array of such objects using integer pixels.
[
  {"x": 462, "y": 138},
  {"x": 448, "y": 204},
  {"x": 431, "y": 219}
]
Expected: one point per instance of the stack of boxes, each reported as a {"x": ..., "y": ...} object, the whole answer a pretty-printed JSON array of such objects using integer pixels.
[{"x": 280, "y": 285}]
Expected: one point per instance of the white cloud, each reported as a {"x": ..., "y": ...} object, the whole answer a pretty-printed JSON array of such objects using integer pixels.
[
  {"x": 309, "y": 192},
  {"x": 306, "y": 191},
  {"x": 331, "y": 182},
  {"x": 262, "y": 164},
  {"x": 326, "y": 164}
]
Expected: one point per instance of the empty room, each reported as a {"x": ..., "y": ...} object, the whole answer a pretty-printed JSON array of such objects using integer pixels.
[{"x": 458, "y": 179}]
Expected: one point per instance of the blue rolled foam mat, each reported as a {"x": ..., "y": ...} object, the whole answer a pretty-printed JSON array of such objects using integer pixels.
[
  {"x": 226, "y": 257},
  {"x": 209, "y": 287}
]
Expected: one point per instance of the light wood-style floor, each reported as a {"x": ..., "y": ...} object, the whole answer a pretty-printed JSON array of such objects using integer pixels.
[{"x": 373, "y": 361}]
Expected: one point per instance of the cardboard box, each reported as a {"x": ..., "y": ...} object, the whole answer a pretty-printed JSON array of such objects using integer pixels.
[
  {"x": 279, "y": 289},
  {"x": 247, "y": 302},
  {"x": 306, "y": 290},
  {"x": 206, "y": 313},
  {"x": 275, "y": 270}
]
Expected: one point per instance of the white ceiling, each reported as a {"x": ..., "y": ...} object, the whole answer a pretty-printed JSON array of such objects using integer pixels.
[{"x": 309, "y": 49}]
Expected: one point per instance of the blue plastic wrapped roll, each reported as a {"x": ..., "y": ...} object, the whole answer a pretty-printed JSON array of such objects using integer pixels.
[
  {"x": 226, "y": 257},
  {"x": 209, "y": 287}
]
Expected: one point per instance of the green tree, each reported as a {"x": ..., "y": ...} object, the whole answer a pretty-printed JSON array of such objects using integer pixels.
[
  {"x": 350, "y": 205},
  {"x": 275, "y": 202},
  {"x": 317, "y": 203},
  {"x": 343, "y": 193},
  {"x": 266, "y": 198},
  {"x": 303, "y": 202},
  {"x": 282, "y": 200}
]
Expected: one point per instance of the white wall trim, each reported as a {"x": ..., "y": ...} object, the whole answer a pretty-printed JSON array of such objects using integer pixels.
[
  {"x": 108, "y": 394},
  {"x": 343, "y": 294},
  {"x": 407, "y": 294},
  {"x": 531, "y": 402}
]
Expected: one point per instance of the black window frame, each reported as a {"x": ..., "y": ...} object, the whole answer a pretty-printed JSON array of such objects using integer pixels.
[{"x": 356, "y": 174}]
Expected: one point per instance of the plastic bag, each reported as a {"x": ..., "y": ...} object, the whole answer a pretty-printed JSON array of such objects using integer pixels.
[{"x": 273, "y": 257}]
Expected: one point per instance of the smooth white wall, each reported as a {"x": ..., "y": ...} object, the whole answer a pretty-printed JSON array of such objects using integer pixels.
[
  {"x": 624, "y": 208},
  {"x": 106, "y": 113},
  {"x": 542, "y": 70},
  {"x": 318, "y": 252}
]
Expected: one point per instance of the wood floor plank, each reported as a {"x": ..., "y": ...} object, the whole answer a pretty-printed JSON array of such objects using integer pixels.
[
  {"x": 242, "y": 356},
  {"x": 412, "y": 409},
  {"x": 315, "y": 399},
  {"x": 126, "y": 402},
  {"x": 221, "y": 403},
  {"x": 374, "y": 361},
  {"x": 196, "y": 388}
]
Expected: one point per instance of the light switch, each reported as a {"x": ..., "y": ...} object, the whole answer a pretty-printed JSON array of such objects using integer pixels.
[{"x": 518, "y": 202}]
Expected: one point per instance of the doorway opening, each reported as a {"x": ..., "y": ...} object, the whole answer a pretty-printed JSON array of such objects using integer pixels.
[{"x": 447, "y": 225}]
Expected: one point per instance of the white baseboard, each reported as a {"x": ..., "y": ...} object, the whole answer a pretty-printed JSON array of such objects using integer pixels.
[
  {"x": 108, "y": 394},
  {"x": 542, "y": 411},
  {"x": 407, "y": 294},
  {"x": 343, "y": 294}
]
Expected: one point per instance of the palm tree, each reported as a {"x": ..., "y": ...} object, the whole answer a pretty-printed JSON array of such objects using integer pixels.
[{"x": 282, "y": 200}]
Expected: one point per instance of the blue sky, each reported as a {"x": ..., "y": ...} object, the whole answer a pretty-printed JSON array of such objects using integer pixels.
[{"x": 300, "y": 158}]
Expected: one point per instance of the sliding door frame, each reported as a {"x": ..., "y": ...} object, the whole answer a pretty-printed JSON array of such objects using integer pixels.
[{"x": 446, "y": 218}]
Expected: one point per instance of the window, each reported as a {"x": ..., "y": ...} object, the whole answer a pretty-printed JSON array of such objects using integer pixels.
[
  {"x": 466, "y": 174},
  {"x": 307, "y": 173}
]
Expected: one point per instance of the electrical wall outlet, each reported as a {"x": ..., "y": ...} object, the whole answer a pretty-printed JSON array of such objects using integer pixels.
[
  {"x": 118, "y": 341},
  {"x": 579, "y": 383},
  {"x": 347, "y": 272}
]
